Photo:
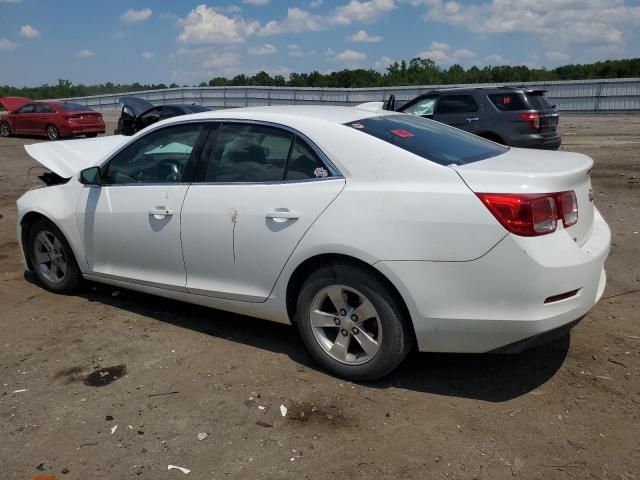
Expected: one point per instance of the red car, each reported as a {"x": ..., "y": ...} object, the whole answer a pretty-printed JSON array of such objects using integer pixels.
[{"x": 51, "y": 118}]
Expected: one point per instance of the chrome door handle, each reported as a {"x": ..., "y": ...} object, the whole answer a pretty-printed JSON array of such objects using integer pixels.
[
  {"x": 472, "y": 119},
  {"x": 160, "y": 212},
  {"x": 282, "y": 215}
]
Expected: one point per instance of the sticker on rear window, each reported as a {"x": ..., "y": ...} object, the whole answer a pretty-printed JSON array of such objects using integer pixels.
[
  {"x": 320, "y": 172},
  {"x": 402, "y": 133},
  {"x": 357, "y": 125}
]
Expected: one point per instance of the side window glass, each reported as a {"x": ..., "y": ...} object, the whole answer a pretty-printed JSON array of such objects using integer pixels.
[
  {"x": 151, "y": 116},
  {"x": 160, "y": 157},
  {"x": 26, "y": 108},
  {"x": 249, "y": 153},
  {"x": 304, "y": 163},
  {"x": 457, "y": 104},
  {"x": 508, "y": 102},
  {"x": 42, "y": 108},
  {"x": 423, "y": 107}
]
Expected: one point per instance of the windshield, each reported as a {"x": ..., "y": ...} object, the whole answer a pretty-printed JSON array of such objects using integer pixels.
[
  {"x": 74, "y": 107},
  {"x": 429, "y": 139}
]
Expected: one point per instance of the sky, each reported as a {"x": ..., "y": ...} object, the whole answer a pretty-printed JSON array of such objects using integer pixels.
[{"x": 187, "y": 42}]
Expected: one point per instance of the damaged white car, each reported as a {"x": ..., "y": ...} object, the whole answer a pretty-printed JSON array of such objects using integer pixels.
[{"x": 373, "y": 231}]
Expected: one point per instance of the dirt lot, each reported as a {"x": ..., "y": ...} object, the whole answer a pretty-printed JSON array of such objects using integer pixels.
[{"x": 569, "y": 409}]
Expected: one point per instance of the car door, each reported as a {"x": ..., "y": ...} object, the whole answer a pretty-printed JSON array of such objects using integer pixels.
[
  {"x": 130, "y": 225},
  {"x": 458, "y": 110},
  {"x": 260, "y": 190},
  {"x": 22, "y": 121},
  {"x": 42, "y": 116}
]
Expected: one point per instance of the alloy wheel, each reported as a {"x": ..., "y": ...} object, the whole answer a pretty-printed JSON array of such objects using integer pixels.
[
  {"x": 52, "y": 132},
  {"x": 345, "y": 324},
  {"x": 50, "y": 257},
  {"x": 4, "y": 130}
]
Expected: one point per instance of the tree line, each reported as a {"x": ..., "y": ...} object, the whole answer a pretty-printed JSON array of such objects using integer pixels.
[{"x": 418, "y": 71}]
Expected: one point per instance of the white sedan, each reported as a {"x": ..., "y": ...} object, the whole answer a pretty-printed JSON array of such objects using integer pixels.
[{"x": 373, "y": 231}]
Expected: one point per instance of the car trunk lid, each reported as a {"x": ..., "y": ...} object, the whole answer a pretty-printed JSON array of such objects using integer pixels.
[
  {"x": 68, "y": 157},
  {"x": 548, "y": 116},
  {"x": 526, "y": 171}
]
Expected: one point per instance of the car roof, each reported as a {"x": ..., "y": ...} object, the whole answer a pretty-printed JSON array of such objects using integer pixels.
[
  {"x": 287, "y": 113},
  {"x": 496, "y": 89}
]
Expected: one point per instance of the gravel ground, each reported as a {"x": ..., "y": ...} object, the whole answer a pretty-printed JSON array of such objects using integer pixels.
[{"x": 569, "y": 409}]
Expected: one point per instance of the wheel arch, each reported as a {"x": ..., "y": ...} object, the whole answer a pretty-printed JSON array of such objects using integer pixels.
[{"x": 311, "y": 264}]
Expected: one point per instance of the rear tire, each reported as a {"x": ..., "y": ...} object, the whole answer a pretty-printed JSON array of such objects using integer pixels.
[
  {"x": 52, "y": 259},
  {"x": 493, "y": 137},
  {"x": 5, "y": 129},
  {"x": 52, "y": 132},
  {"x": 352, "y": 324},
  {"x": 91, "y": 135}
]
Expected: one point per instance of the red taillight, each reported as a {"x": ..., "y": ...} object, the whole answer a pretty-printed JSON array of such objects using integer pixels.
[
  {"x": 530, "y": 215},
  {"x": 533, "y": 118}
]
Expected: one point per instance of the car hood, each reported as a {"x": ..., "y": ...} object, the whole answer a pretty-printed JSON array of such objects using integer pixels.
[
  {"x": 68, "y": 157},
  {"x": 13, "y": 103},
  {"x": 138, "y": 105}
]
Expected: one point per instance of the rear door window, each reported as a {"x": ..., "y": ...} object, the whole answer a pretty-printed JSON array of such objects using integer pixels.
[
  {"x": 456, "y": 104},
  {"x": 42, "y": 108},
  {"x": 429, "y": 139}
]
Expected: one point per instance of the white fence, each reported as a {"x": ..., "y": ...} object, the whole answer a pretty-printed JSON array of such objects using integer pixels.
[{"x": 610, "y": 95}]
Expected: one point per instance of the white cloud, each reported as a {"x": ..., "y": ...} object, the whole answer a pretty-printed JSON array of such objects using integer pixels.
[
  {"x": 440, "y": 52},
  {"x": 362, "y": 36},
  {"x": 350, "y": 56},
  {"x": 7, "y": 45},
  {"x": 496, "y": 59},
  {"x": 85, "y": 54},
  {"x": 294, "y": 50},
  {"x": 265, "y": 49},
  {"x": 563, "y": 22},
  {"x": 222, "y": 60},
  {"x": 316, "y": 3},
  {"x": 136, "y": 16},
  {"x": 256, "y": 3},
  {"x": 555, "y": 56},
  {"x": 382, "y": 63},
  {"x": 28, "y": 31},
  {"x": 148, "y": 55},
  {"x": 205, "y": 26},
  {"x": 299, "y": 20},
  {"x": 10, "y": 1},
  {"x": 356, "y": 11}
]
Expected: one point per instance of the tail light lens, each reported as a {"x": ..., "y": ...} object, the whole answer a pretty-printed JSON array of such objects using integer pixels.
[
  {"x": 530, "y": 215},
  {"x": 569, "y": 208},
  {"x": 533, "y": 118}
]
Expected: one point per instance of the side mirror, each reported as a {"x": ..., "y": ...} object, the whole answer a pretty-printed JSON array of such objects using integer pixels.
[{"x": 91, "y": 176}]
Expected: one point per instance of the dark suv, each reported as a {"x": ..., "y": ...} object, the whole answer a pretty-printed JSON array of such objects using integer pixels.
[{"x": 509, "y": 115}]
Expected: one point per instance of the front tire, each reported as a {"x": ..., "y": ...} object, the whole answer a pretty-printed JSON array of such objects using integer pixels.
[
  {"x": 91, "y": 135},
  {"x": 352, "y": 324},
  {"x": 52, "y": 132},
  {"x": 5, "y": 129},
  {"x": 52, "y": 259}
]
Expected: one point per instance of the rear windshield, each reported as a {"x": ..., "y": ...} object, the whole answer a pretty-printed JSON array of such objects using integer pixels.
[
  {"x": 74, "y": 107},
  {"x": 539, "y": 101},
  {"x": 429, "y": 139}
]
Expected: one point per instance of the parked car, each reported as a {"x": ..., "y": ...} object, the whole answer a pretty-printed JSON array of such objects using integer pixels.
[
  {"x": 137, "y": 113},
  {"x": 372, "y": 231},
  {"x": 513, "y": 116},
  {"x": 53, "y": 119}
]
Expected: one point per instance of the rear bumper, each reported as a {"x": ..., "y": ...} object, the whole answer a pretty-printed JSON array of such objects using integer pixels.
[
  {"x": 544, "y": 141},
  {"x": 499, "y": 299},
  {"x": 83, "y": 129}
]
